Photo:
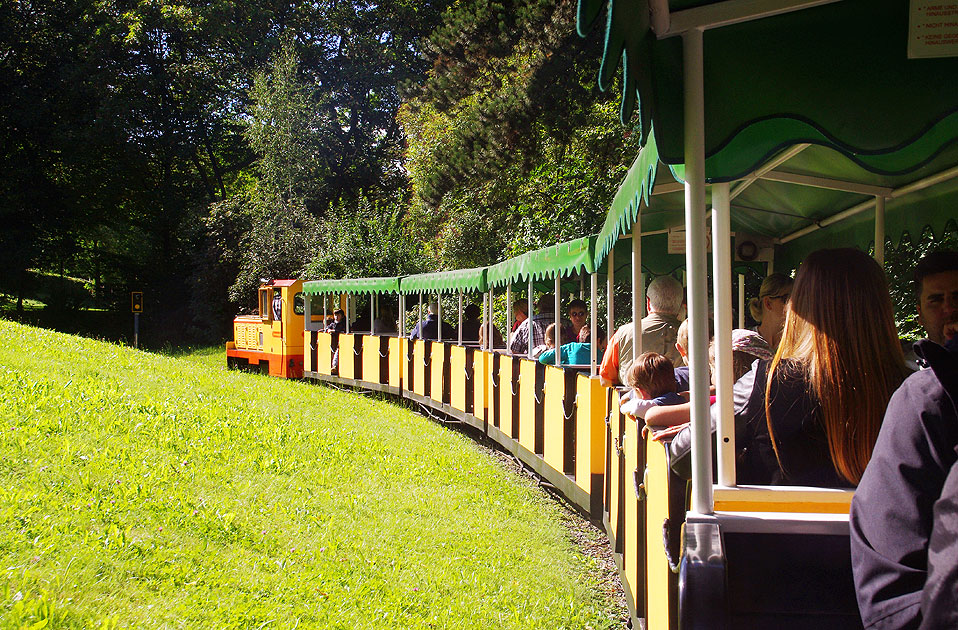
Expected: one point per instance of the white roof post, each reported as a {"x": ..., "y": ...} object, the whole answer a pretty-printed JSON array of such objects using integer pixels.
[
  {"x": 692, "y": 43},
  {"x": 610, "y": 291},
  {"x": 594, "y": 322},
  {"x": 741, "y": 300},
  {"x": 722, "y": 290},
  {"x": 638, "y": 287},
  {"x": 558, "y": 318},
  {"x": 529, "y": 323},
  {"x": 439, "y": 317}
]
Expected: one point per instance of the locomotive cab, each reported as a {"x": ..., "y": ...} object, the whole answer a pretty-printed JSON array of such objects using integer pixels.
[{"x": 270, "y": 339}]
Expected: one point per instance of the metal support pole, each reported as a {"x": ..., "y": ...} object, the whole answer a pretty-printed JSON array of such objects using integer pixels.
[
  {"x": 420, "y": 314},
  {"x": 880, "y": 230},
  {"x": 529, "y": 322},
  {"x": 558, "y": 318},
  {"x": 722, "y": 290},
  {"x": 136, "y": 330},
  {"x": 581, "y": 286},
  {"x": 490, "y": 326},
  {"x": 610, "y": 291},
  {"x": 696, "y": 265},
  {"x": 638, "y": 288},
  {"x": 372, "y": 313},
  {"x": 594, "y": 321},
  {"x": 741, "y": 300},
  {"x": 347, "y": 312},
  {"x": 460, "y": 318},
  {"x": 485, "y": 319},
  {"x": 402, "y": 315},
  {"x": 438, "y": 317},
  {"x": 508, "y": 313}
]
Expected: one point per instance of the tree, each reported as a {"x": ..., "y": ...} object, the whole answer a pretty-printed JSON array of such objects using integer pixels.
[{"x": 286, "y": 131}]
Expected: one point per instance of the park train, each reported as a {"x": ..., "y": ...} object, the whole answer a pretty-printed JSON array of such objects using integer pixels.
[{"x": 796, "y": 124}]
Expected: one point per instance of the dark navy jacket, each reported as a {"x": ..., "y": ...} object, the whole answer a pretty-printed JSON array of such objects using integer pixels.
[
  {"x": 428, "y": 329},
  {"x": 904, "y": 516}
]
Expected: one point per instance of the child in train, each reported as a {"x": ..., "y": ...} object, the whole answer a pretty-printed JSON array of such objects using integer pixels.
[{"x": 652, "y": 379}]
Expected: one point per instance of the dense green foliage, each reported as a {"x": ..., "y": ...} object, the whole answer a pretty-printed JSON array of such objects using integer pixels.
[
  {"x": 191, "y": 150},
  {"x": 145, "y": 491}
]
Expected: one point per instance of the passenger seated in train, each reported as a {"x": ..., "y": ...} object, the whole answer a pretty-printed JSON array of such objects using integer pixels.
[
  {"x": 811, "y": 414},
  {"x": 385, "y": 322},
  {"x": 815, "y": 409},
  {"x": 549, "y": 341},
  {"x": 338, "y": 323},
  {"x": 519, "y": 313},
  {"x": 747, "y": 348},
  {"x": 578, "y": 318},
  {"x": 936, "y": 280},
  {"x": 768, "y": 309},
  {"x": 338, "y": 326},
  {"x": 659, "y": 330},
  {"x": 428, "y": 329},
  {"x": 471, "y": 323},
  {"x": 904, "y": 512},
  {"x": 498, "y": 341},
  {"x": 652, "y": 379},
  {"x": 532, "y": 330},
  {"x": 576, "y": 352}
]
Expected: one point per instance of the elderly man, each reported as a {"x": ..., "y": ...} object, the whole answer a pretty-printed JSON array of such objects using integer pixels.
[
  {"x": 936, "y": 282},
  {"x": 659, "y": 330}
]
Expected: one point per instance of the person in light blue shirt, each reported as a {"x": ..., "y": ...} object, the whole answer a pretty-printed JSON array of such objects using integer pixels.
[{"x": 577, "y": 352}]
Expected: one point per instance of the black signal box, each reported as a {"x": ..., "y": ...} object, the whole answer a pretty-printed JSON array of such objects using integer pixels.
[{"x": 137, "y": 298}]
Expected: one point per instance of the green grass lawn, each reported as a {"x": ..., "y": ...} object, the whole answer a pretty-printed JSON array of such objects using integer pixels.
[{"x": 147, "y": 491}]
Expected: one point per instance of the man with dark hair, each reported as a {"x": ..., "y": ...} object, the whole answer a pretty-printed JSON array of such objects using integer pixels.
[
  {"x": 471, "y": 323},
  {"x": 936, "y": 287}
]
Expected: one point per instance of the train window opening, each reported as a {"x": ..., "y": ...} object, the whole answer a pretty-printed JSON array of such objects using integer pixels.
[
  {"x": 264, "y": 306},
  {"x": 299, "y": 304}
]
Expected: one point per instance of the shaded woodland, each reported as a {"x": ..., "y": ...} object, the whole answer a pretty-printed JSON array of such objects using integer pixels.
[{"x": 189, "y": 149}]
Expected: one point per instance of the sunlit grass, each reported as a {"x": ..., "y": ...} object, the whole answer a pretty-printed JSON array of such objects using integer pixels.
[{"x": 150, "y": 491}]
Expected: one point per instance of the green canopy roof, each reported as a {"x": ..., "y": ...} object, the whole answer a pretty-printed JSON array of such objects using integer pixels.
[
  {"x": 466, "y": 280},
  {"x": 351, "y": 285},
  {"x": 801, "y": 193},
  {"x": 561, "y": 259},
  {"x": 835, "y": 75}
]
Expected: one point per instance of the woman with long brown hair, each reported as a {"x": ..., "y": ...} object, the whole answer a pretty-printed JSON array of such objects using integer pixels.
[{"x": 826, "y": 389}]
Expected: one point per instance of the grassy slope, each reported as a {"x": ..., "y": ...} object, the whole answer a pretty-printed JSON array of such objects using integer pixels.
[{"x": 148, "y": 491}]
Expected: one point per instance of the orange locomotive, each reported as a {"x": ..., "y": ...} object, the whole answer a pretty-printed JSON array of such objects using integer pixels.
[{"x": 271, "y": 341}]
